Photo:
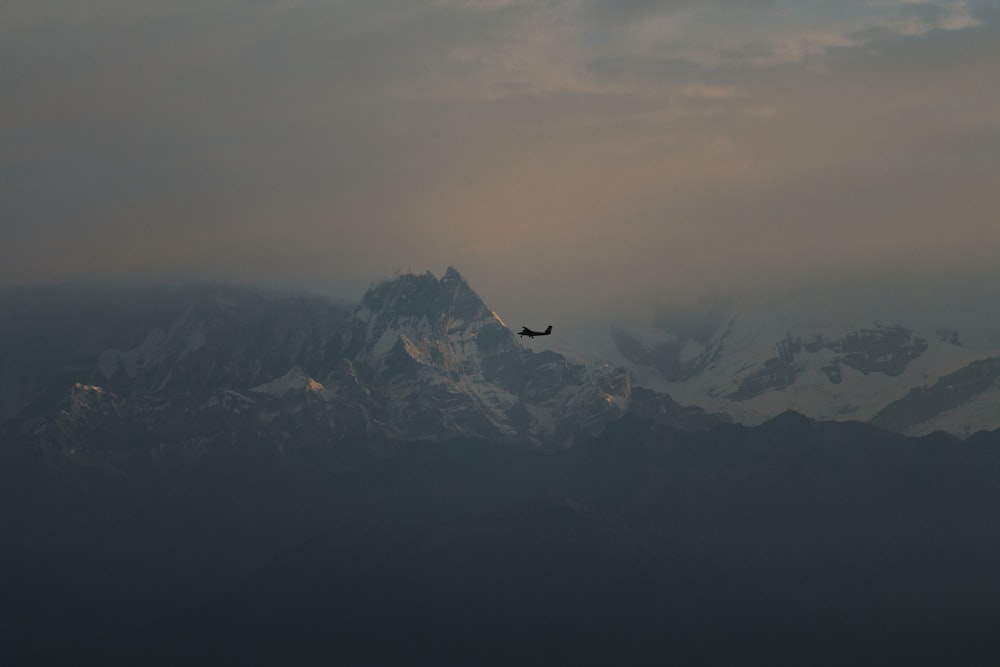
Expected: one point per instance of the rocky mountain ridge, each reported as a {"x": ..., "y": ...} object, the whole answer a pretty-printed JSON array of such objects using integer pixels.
[
  {"x": 755, "y": 365},
  {"x": 224, "y": 371}
]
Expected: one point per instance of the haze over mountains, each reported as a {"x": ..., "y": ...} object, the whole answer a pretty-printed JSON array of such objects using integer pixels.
[
  {"x": 421, "y": 357},
  {"x": 221, "y": 474}
]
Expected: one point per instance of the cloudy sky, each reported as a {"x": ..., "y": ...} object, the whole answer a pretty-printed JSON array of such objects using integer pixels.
[{"x": 569, "y": 157}]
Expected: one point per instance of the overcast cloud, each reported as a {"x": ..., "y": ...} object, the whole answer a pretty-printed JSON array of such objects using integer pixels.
[{"x": 570, "y": 157}]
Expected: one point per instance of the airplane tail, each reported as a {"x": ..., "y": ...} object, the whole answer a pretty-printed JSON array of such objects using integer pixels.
[{"x": 548, "y": 329}]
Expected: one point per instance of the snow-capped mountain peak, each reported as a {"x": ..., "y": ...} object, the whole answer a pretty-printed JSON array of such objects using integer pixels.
[{"x": 439, "y": 360}]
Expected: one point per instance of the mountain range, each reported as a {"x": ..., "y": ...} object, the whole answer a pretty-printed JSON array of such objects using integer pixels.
[
  {"x": 223, "y": 475},
  {"x": 754, "y": 364},
  {"x": 166, "y": 377},
  {"x": 88, "y": 375}
]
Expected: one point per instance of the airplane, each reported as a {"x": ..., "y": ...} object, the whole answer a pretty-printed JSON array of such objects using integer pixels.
[{"x": 525, "y": 331}]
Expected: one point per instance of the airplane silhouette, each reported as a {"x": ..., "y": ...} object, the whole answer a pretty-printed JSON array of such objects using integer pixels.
[{"x": 525, "y": 331}]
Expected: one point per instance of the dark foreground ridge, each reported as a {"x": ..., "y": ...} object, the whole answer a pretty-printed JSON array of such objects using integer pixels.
[{"x": 796, "y": 542}]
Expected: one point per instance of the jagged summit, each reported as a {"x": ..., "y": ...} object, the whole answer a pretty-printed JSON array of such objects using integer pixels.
[
  {"x": 430, "y": 319},
  {"x": 411, "y": 295},
  {"x": 435, "y": 359},
  {"x": 451, "y": 274}
]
